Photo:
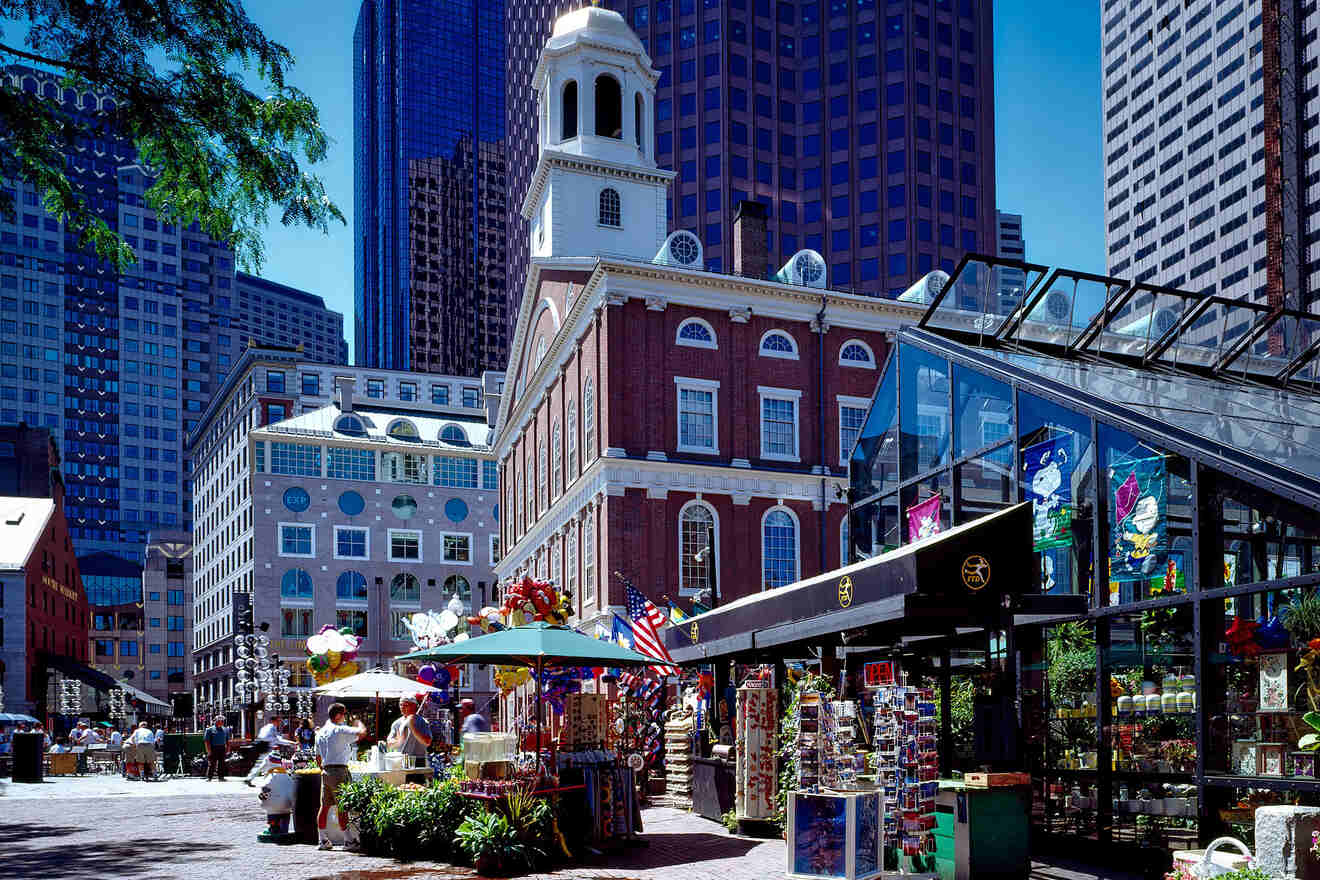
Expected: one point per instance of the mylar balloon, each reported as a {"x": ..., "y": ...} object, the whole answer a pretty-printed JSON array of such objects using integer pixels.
[
  {"x": 427, "y": 674},
  {"x": 440, "y": 677}
]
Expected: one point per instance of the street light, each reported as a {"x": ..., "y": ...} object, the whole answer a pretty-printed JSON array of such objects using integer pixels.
[{"x": 706, "y": 556}]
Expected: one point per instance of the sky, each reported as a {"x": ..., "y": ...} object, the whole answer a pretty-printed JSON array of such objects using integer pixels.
[{"x": 1047, "y": 132}]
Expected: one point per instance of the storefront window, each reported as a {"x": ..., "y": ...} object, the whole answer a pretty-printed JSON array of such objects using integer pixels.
[
  {"x": 982, "y": 411},
  {"x": 923, "y": 411},
  {"x": 874, "y": 465},
  {"x": 1264, "y": 537},
  {"x": 922, "y": 515},
  {"x": 1148, "y": 518},
  {"x": 1057, "y": 476},
  {"x": 985, "y": 484}
]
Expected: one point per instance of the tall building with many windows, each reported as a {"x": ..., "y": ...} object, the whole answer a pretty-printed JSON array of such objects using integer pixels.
[
  {"x": 1209, "y": 184},
  {"x": 277, "y": 314},
  {"x": 118, "y": 364},
  {"x": 866, "y": 129},
  {"x": 429, "y": 172}
]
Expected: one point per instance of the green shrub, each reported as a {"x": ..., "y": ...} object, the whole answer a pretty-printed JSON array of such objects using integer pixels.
[
  {"x": 406, "y": 824},
  {"x": 493, "y": 844}
]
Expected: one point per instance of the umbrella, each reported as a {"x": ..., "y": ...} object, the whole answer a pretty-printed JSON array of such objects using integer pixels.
[
  {"x": 376, "y": 683},
  {"x": 15, "y": 717},
  {"x": 536, "y": 645}
]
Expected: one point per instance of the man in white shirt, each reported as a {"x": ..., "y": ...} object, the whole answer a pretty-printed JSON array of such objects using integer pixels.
[
  {"x": 116, "y": 739},
  {"x": 336, "y": 745},
  {"x": 143, "y": 758},
  {"x": 160, "y": 738},
  {"x": 268, "y": 738}
]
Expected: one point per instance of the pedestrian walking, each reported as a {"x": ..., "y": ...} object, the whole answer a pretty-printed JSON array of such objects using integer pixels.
[
  {"x": 306, "y": 735},
  {"x": 268, "y": 739},
  {"x": 336, "y": 743},
  {"x": 217, "y": 747}
]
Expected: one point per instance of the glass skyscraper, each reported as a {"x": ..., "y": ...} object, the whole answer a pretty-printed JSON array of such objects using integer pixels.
[
  {"x": 866, "y": 128},
  {"x": 429, "y": 173}
]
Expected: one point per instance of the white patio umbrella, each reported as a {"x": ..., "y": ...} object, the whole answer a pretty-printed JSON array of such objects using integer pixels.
[{"x": 375, "y": 683}]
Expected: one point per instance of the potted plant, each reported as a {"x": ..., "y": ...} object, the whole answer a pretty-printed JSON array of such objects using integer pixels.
[{"x": 492, "y": 843}]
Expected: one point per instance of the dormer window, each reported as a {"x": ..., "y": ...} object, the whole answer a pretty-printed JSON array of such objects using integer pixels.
[
  {"x": 611, "y": 212},
  {"x": 609, "y": 107},
  {"x": 569, "y": 122}
]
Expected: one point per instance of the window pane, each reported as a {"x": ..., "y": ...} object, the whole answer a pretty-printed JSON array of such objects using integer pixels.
[
  {"x": 778, "y": 550},
  {"x": 874, "y": 464},
  {"x": 982, "y": 411},
  {"x": 924, "y": 408}
]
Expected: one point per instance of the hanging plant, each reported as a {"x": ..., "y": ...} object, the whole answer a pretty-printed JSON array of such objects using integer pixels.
[{"x": 1301, "y": 617}]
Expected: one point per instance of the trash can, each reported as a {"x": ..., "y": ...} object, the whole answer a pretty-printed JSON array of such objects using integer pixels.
[
  {"x": 28, "y": 757},
  {"x": 306, "y": 805}
]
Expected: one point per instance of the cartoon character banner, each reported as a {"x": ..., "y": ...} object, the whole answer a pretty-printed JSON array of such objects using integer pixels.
[
  {"x": 1138, "y": 519},
  {"x": 924, "y": 519},
  {"x": 1047, "y": 469}
]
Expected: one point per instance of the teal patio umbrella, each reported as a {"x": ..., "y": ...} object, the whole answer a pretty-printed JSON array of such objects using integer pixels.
[{"x": 536, "y": 646}]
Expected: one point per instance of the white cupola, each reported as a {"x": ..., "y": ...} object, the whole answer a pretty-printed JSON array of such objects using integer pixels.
[{"x": 597, "y": 190}]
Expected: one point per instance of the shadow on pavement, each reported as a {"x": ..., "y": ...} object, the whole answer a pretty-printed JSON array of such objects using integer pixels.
[
  {"x": 667, "y": 850},
  {"x": 33, "y": 850}
]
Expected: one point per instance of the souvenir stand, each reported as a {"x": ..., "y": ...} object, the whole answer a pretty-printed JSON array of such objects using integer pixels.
[{"x": 907, "y": 761}]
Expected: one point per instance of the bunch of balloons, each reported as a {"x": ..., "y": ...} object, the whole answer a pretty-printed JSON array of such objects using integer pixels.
[
  {"x": 510, "y": 678},
  {"x": 432, "y": 629},
  {"x": 332, "y": 652},
  {"x": 559, "y": 681},
  {"x": 527, "y": 600},
  {"x": 439, "y": 677},
  {"x": 488, "y": 618}
]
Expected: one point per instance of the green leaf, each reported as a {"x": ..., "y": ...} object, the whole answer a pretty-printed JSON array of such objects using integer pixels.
[
  {"x": 1313, "y": 719},
  {"x": 1310, "y": 742}
]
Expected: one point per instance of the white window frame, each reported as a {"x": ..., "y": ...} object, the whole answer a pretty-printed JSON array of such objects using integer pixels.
[
  {"x": 858, "y": 364},
  {"x": 588, "y": 553},
  {"x": 682, "y": 383},
  {"x": 713, "y": 344},
  {"x": 845, "y": 539},
  {"x": 794, "y": 395},
  {"x": 797, "y": 542},
  {"x": 296, "y": 525},
  {"x": 493, "y": 548},
  {"x": 557, "y": 461},
  {"x": 421, "y": 555},
  {"x": 600, "y": 208},
  {"x": 404, "y": 603},
  {"x": 335, "y": 547},
  {"x": 715, "y": 520},
  {"x": 786, "y": 355},
  {"x": 571, "y": 444},
  {"x": 861, "y": 403},
  {"x": 444, "y": 560}
]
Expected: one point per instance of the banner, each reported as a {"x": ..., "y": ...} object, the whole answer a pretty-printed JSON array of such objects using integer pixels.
[
  {"x": 1047, "y": 471},
  {"x": 924, "y": 519},
  {"x": 1138, "y": 520}
]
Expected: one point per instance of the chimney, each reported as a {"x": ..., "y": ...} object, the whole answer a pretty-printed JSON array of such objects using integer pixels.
[
  {"x": 344, "y": 393},
  {"x": 751, "y": 257}
]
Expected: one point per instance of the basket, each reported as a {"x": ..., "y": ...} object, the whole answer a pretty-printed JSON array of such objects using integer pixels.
[{"x": 1212, "y": 863}]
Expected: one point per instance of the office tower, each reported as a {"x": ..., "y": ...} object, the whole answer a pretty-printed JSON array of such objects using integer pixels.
[
  {"x": 1009, "y": 243},
  {"x": 866, "y": 129},
  {"x": 119, "y": 364},
  {"x": 429, "y": 171},
  {"x": 1207, "y": 185},
  {"x": 277, "y": 314}
]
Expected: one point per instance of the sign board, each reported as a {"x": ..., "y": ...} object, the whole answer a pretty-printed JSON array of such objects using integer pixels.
[{"x": 878, "y": 674}]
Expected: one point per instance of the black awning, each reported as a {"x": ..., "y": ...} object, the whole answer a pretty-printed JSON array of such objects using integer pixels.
[
  {"x": 959, "y": 576},
  {"x": 104, "y": 682}
]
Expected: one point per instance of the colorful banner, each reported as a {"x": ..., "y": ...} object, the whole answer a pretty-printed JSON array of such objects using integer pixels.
[
  {"x": 1138, "y": 520},
  {"x": 1047, "y": 470},
  {"x": 924, "y": 519}
]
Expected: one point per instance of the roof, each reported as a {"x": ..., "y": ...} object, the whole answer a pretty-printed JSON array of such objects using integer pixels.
[
  {"x": 22, "y": 523},
  {"x": 325, "y": 423},
  {"x": 596, "y": 22},
  {"x": 252, "y": 281}
]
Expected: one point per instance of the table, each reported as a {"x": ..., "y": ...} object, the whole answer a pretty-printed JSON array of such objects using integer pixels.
[{"x": 540, "y": 792}]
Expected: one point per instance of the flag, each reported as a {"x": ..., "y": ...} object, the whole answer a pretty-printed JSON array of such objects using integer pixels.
[
  {"x": 646, "y": 619},
  {"x": 924, "y": 519},
  {"x": 676, "y": 614},
  {"x": 622, "y": 634}
]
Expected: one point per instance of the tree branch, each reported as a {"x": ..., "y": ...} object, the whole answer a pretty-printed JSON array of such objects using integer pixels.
[{"x": 41, "y": 59}]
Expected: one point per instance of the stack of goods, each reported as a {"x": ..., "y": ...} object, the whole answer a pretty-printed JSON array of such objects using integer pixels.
[
  {"x": 585, "y": 718},
  {"x": 678, "y": 755},
  {"x": 609, "y": 794},
  {"x": 489, "y": 755},
  {"x": 754, "y": 771},
  {"x": 905, "y": 738},
  {"x": 807, "y": 747}
]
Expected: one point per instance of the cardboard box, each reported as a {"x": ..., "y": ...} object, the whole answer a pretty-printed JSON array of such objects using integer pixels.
[{"x": 996, "y": 780}]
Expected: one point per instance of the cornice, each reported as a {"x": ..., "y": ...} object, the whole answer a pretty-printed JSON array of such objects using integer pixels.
[{"x": 572, "y": 162}]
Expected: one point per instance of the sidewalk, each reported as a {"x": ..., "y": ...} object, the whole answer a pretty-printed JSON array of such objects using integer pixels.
[{"x": 115, "y": 786}]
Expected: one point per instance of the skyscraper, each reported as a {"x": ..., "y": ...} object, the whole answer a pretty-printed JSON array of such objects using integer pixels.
[
  {"x": 866, "y": 130},
  {"x": 1207, "y": 184},
  {"x": 429, "y": 169},
  {"x": 1009, "y": 243}
]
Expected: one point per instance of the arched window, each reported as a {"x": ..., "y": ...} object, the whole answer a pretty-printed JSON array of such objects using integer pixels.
[
  {"x": 588, "y": 424},
  {"x": 543, "y": 470},
  {"x": 697, "y": 548},
  {"x": 557, "y": 469},
  {"x": 454, "y": 434},
  {"x": 296, "y": 584},
  {"x": 779, "y": 549},
  {"x": 402, "y": 429},
  {"x": 572, "y": 441},
  {"x": 777, "y": 343},
  {"x": 351, "y": 425},
  {"x": 611, "y": 212},
  {"x": 456, "y": 583},
  {"x": 522, "y": 518},
  {"x": 570, "y": 562},
  {"x": 609, "y": 107},
  {"x": 639, "y": 112},
  {"x": 568, "y": 118},
  {"x": 531, "y": 490},
  {"x": 405, "y": 587},
  {"x": 351, "y": 586},
  {"x": 856, "y": 353},
  {"x": 696, "y": 333}
]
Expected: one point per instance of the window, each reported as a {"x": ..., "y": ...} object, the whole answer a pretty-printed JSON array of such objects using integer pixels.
[
  {"x": 296, "y": 584},
  {"x": 696, "y": 544},
  {"x": 471, "y": 397},
  {"x": 311, "y": 384},
  {"x": 351, "y": 425},
  {"x": 845, "y": 541},
  {"x": 402, "y": 429},
  {"x": 376, "y": 389},
  {"x": 350, "y": 464},
  {"x": 696, "y": 333},
  {"x": 403, "y": 467},
  {"x": 490, "y": 476},
  {"x": 295, "y": 622},
  {"x": 275, "y": 381},
  {"x": 570, "y": 562},
  {"x": 852, "y": 413},
  {"x": 697, "y": 415},
  {"x": 779, "y": 423},
  {"x": 856, "y": 353},
  {"x": 351, "y": 543},
  {"x": 588, "y": 424},
  {"x": 457, "y": 585},
  {"x": 639, "y": 112},
  {"x": 407, "y": 391},
  {"x": 777, "y": 343},
  {"x": 543, "y": 472},
  {"x": 356, "y": 621},
  {"x": 610, "y": 209},
  {"x": 572, "y": 441},
  {"x": 405, "y": 545},
  {"x": 296, "y": 540},
  {"x": 455, "y": 473},
  {"x": 351, "y": 587},
  {"x": 569, "y": 116},
  {"x": 588, "y": 555},
  {"x": 779, "y": 556},
  {"x": 295, "y": 459},
  {"x": 405, "y": 587},
  {"x": 440, "y": 395},
  {"x": 557, "y": 466},
  {"x": 398, "y": 630},
  {"x": 455, "y": 435},
  {"x": 458, "y": 549}
]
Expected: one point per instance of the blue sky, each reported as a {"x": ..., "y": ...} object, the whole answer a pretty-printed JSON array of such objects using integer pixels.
[{"x": 1047, "y": 88}]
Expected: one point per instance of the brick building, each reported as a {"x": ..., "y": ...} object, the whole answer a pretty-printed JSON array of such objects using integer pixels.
[{"x": 650, "y": 403}]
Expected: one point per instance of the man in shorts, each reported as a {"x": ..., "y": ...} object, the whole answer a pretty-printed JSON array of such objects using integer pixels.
[{"x": 336, "y": 745}]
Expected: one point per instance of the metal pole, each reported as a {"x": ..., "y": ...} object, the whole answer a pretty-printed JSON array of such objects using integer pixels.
[{"x": 539, "y": 664}]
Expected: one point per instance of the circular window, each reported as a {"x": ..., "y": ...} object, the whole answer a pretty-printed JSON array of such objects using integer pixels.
[
  {"x": 351, "y": 503},
  {"x": 456, "y": 509},
  {"x": 684, "y": 249},
  {"x": 404, "y": 506},
  {"x": 296, "y": 499}
]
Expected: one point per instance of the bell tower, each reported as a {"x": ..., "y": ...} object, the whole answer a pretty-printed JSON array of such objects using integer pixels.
[{"x": 597, "y": 190}]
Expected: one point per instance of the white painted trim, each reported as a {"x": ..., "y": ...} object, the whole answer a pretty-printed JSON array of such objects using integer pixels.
[
  {"x": 389, "y": 550},
  {"x": 791, "y": 356},
  {"x": 714, "y": 342},
  {"x": 335, "y": 546},
  {"x": 792, "y": 395},
  {"x": 841, "y": 401},
  {"x": 696, "y": 383},
  {"x": 390, "y": 583},
  {"x": 857, "y": 364},
  {"x": 279, "y": 540},
  {"x": 797, "y": 542},
  {"x": 472, "y": 551},
  {"x": 682, "y": 384}
]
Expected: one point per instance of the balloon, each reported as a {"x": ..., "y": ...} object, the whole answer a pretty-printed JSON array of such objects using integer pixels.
[
  {"x": 317, "y": 644},
  {"x": 461, "y": 637},
  {"x": 426, "y": 674},
  {"x": 448, "y": 620},
  {"x": 334, "y": 659},
  {"x": 346, "y": 630},
  {"x": 434, "y": 697},
  {"x": 439, "y": 677},
  {"x": 443, "y": 695}
]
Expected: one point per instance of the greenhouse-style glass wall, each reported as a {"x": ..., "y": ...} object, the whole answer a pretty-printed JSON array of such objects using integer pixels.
[{"x": 1175, "y": 705}]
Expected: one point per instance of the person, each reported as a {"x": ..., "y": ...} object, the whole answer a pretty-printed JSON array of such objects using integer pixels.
[
  {"x": 336, "y": 743},
  {"x": 159, "y": 739},
  {"x": 217, "y": 747},
  {"x": 143, "y": 741},
  {"x": 116, "y": 739},
  {"x": 473, "y": 721},
  {"x": 45, "y": 737},
  {"x": 268, "y": 739},
  {"x": 410, "y": 733},
  {"x": 306, "y": 735}
]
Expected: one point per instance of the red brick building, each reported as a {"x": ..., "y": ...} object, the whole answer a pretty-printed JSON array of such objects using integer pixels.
[{"x": 649, "y": 403}]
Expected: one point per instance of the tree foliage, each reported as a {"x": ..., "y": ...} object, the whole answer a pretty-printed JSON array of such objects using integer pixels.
[{"x": 176, "y": 71}]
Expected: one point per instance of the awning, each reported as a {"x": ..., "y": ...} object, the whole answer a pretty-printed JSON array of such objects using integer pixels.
[
  {"x": 104, "y": 682},
  {"x": 961, "y": 575}
]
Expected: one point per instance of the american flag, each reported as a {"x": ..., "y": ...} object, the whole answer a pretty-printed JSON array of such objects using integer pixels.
[{"x": 646, "y": 618}]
